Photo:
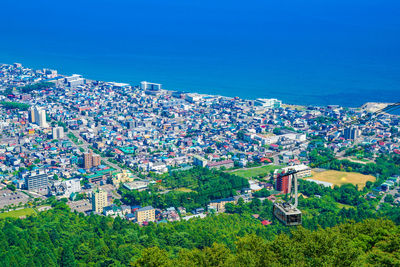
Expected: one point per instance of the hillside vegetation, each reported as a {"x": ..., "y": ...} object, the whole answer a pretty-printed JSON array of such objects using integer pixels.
[{"x": 59, "y": 237}]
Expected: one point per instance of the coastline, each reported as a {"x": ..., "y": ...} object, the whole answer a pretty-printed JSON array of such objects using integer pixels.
[{"x": 369, "y": 105}]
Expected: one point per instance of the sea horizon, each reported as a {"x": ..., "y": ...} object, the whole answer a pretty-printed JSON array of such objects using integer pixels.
[{"x": 312, "y": 53}]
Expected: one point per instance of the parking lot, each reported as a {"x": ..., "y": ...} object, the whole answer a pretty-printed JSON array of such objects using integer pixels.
[{"x": 8, "y": 197}]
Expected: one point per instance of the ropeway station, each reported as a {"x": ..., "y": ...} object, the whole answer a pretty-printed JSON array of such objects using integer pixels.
[{"x": 287, "y": 212}]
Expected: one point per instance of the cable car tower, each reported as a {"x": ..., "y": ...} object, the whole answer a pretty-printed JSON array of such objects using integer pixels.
[{"x": 287, "y": 212}]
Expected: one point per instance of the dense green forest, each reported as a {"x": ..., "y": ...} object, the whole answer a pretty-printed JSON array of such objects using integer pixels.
[
  {"x": 191, "y": 189},
  {"x": 14, "y": 105},
  {"x": 36, "y": 87},
  {"x": 60, "y": 237}
]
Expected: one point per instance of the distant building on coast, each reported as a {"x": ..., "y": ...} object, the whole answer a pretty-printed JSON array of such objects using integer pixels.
[
  {"x": 74, "y": 80},
  {"x": 268, "y": 103},
  {"x": 150, "y": 88}
]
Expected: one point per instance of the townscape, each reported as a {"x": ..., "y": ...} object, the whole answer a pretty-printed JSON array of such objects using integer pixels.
[{"x": 109, "y": 148}]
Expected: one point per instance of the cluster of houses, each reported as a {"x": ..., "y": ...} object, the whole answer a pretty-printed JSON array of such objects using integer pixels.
[{"x": 149, "y": 129}]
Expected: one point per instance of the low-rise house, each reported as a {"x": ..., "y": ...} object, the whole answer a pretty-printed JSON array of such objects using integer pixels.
[
  {"x": 219, "y": 204},
  {"x": 227, "y": 164}
]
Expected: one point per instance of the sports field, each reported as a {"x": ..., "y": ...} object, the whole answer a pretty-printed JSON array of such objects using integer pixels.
[
  {"x": 340, "y": 178},
  {"x": 256, "y": 171},
  {"x": 17, "y": 213}
]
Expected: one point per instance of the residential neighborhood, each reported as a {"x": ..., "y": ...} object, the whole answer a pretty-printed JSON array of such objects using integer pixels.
[{"x": 90, "y": 141}]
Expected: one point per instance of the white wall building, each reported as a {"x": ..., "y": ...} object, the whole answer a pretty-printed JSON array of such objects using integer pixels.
[
  {"x": 58, "y": 133},
  {"x": 268, "y": 103},
  {"x": 150, "y": 86}
]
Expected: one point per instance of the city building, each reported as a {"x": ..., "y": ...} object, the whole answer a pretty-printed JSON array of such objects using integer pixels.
[
  {"x": 31, "y": 115},
  {"x": 65, "y": 188},
  {"x": 99, "y": 200},
  {"x": 146, "y": 86},
  {"x": 199, "y": 161},
  {"x": 145, "y": 214},
  {"x": 283, "y": 183},
  {"x": 351, "y": 133},
  {"x": 219, "y": 204},
  {"x": 268, "y": 103},
  {"x": 122, "y": 177},
  {"x": 74, "y": 80},
  {"x": 151, "y": 88},
  {"x": 37, "y": 180},
  {"x": 87, "y": 157},
  {"x": 58, "y": 132},
  {"x": 40, "y": 117},
  {"x": 137, "y": 185},
  {"x": 227, "y": 164},
  {"x": 37, "y": 115},
  {"x": 302, "y": 171},
  {"x": 96, "y": 160},
  {"x": 91, "y": 160}
]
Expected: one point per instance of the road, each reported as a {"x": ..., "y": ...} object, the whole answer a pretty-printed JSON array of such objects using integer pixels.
[{"x": 85, "y": 145}]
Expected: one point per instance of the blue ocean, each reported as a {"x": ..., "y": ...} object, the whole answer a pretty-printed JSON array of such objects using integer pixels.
[{"x": 303, "y": 52}]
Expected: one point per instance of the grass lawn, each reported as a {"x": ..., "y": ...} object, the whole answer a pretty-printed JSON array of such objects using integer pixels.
[
  {"x": 340, "y": 178},
  {"x": 362, "y": 160},
  {"x": 256, "y": 171},
  {"x": 17, "y": 213},
  {"x": 184, "y": 189},
  {"x": 340, "y": 206}
]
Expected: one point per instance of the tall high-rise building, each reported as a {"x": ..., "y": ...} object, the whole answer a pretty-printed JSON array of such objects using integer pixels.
[
  {"x": 87, "y": 157},
  {"x": 38, "y": 115},
  {"x": 42, "y": 118},
  {"x": 31, "y": 115},
  {"x": 351, "y": 133},
  {"x": 99, "y": 200},
  {"x": 96, "y": 160},
  {"x": 91, "y": 160},
  {"x": 58, "y": 132},
  {"x": 283, "y": 183}
]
